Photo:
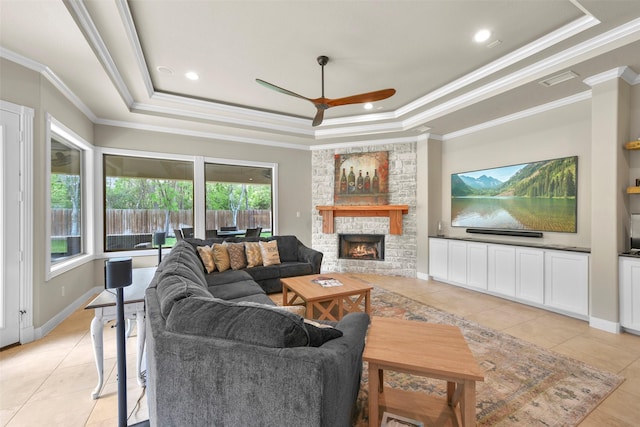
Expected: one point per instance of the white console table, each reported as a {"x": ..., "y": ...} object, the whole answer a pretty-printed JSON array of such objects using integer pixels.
[{"x": 104, "y": 306}]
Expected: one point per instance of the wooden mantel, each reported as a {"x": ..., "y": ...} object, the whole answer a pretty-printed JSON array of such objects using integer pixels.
[{"x": 393, "y": 212}]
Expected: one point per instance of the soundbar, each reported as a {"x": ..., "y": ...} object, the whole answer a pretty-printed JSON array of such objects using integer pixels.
[{"x": 519, "y": 233}]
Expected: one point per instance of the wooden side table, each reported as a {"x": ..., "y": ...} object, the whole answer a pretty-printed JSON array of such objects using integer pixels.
[{"x": 423, "y": 349}]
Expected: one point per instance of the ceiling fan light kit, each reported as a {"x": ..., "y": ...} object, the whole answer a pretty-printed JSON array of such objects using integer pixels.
[{"x": 323, "y": 103}]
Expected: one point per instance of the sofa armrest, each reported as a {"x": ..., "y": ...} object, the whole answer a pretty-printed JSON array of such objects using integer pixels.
[{"x": 313, "y": 257}]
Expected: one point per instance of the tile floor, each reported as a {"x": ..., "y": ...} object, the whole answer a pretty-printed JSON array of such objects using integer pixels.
[{"x": 49, "y": 382}]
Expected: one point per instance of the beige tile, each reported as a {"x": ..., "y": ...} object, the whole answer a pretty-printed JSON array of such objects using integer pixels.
[
  {"x": 622, "y": 406},
  {"x": 15, "y": 391},
  {"x": 7, "y": 414},
  {"x": 58, "y": 409},
  {"x": 594, "y": 352},
  {"x": 72, "y": 379},
  {"x": 632, "y": 378},
  {"x": 599, "y": 418}
]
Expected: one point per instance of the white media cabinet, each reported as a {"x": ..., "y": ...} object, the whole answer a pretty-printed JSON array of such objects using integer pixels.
[
  {"x": 555, "y": 279},
  {"x": 630, "y": 293}
]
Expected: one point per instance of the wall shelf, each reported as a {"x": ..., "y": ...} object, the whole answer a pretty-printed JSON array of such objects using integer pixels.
[{"x": 393, "y": 212}]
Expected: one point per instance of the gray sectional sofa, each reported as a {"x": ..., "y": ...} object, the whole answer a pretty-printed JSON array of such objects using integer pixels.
[
  {"x": 223, "y": 354},
  {"x": 296, "y": 259}
]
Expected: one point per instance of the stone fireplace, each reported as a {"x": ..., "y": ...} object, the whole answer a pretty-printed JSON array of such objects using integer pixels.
[
  {"x": 400, "y": 246},
  {"x": 361, "y": 246}
]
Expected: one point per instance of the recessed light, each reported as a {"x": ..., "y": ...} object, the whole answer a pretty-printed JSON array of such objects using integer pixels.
[
  {"x": 482, "y": 36},
  {"x": 192, "y": 75},
  {"x": 368, "y": 106}
]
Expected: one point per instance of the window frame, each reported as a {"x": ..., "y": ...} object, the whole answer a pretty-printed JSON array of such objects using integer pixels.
[
  {"x": 199, "y": 202},
  {"x": 57, "y": 128},
  {"x": 264, "y": 165}
]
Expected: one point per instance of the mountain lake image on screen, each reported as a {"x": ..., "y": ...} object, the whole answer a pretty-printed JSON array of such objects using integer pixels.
[{"x": 537, "y": 196}]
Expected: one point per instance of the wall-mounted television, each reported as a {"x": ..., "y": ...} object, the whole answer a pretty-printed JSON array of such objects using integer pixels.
[{"x": 537, "y": 196}]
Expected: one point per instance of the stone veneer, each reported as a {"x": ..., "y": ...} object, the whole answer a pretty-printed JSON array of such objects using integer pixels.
[{"x": 400, "y": 250}]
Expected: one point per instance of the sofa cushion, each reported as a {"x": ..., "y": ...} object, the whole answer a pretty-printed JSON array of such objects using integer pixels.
[
  {"x": 291, "y": 269},
  {"x": 228, "y": 276},
  {"x": 270, "y": 254},
  {"x": 173, "y": 288},
  {"x": 253, "y": 254},
  {"x": 250, "y": 323},
  {"x": 263, "y": 273},
  {"x": 206, "y": 255},
  {"x": 256, "y": 298},
  {"x": 236, "y": 290},
  {"x": 287, "y": 247},
  {"x": 237, "y": 258},
  {"x": 221, "y": 257}
]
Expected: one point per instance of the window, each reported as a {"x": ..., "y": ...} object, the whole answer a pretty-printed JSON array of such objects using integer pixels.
[
  {"x": 238, "y": 197},
  {"x": 69, "y": 208},
  {"x": 145, "y": 195}
]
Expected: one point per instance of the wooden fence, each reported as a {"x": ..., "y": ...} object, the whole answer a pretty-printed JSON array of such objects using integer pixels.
[{"x": 137, "y": 221}]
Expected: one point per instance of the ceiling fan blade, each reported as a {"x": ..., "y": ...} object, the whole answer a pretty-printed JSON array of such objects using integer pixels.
[
  {"x": 317, "y": 120},
  {"x": 362, "y": 98},
  {"x": 281, "y": 90}
]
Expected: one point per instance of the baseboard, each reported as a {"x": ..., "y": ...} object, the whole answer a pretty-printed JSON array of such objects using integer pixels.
[
  {"x": 604, "y": 325},
  {"x": 422, "y": 276},
  {"x": 56, "y": 320}
]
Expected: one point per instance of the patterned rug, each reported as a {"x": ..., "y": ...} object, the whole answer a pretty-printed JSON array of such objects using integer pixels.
[{"x": 525, "y": 385}]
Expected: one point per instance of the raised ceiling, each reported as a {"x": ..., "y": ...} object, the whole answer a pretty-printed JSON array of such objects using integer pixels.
[{"x": 123, "y": 63}]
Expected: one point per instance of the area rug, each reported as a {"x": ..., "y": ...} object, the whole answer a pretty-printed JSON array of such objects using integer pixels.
[{"x": 525, "y": 385}]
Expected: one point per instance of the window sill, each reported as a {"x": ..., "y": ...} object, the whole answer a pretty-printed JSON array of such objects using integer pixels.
[{"x": 68, "y": 265}]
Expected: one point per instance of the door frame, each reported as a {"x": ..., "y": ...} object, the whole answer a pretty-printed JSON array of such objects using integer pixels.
[{"x": 26, "y": 329}]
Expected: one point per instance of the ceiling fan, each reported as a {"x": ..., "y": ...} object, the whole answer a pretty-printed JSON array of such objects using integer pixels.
[{"x": 323, "y": 103}]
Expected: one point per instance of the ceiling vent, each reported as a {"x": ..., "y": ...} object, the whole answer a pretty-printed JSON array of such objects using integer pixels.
[{"x": 558, "y": 78}]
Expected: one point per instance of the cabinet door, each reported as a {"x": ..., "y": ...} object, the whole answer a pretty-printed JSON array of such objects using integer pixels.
[
  {"x": 630, "y": 293},
  {"x": 502, "y": 269},
  {"x": 458, "y": 262},
  {"x": 567, "y": 281},
  {"x": 438, "y": 258},
  {"x": 530, "y": 274},
  {"x": 477, "y": 265}
]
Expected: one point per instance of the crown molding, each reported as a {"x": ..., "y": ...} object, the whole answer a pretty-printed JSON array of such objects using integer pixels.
[
  {"x": 582, "y": 96},
  {"x": 202, "y": 134},
  {"x": 52, "y": 77},
  {"x": 132, "y": 34},
  {"x": 625, "y": 73},
  {"x": 80, "y": 14}
]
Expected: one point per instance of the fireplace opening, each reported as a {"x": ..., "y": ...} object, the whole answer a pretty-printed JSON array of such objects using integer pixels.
[{"x": 361, "y": 246}]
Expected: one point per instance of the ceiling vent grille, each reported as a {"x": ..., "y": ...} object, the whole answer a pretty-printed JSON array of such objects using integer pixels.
[{"x": 558, "y": 78}]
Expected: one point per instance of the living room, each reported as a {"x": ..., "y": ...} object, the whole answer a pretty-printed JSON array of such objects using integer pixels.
[{"x": 593, "y": 124}]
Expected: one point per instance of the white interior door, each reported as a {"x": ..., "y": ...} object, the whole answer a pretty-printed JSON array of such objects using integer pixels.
[{"x": 9, "y": 228}]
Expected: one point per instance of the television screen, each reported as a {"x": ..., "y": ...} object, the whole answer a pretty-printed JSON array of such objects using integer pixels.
[{"x": 538, "y": 196}]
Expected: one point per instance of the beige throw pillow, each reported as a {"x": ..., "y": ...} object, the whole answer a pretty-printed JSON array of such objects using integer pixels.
[
  {"x": 206, "y": 255},
  {"x": 237, "y": 258},
  {"x": 269, "y": 252},
  {"x": 221, "y": 257},
  {"x": 254, "y": 256}
]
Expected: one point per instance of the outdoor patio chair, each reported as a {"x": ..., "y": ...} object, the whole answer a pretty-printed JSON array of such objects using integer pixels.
[
  {"x": 187, "y": 232},
  {"x": 253, "y": 232}
]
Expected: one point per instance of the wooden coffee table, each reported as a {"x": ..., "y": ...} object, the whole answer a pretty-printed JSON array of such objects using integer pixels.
[
  {"x": 327, "y": 303},
  {"x": 423, "y": 349}
]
